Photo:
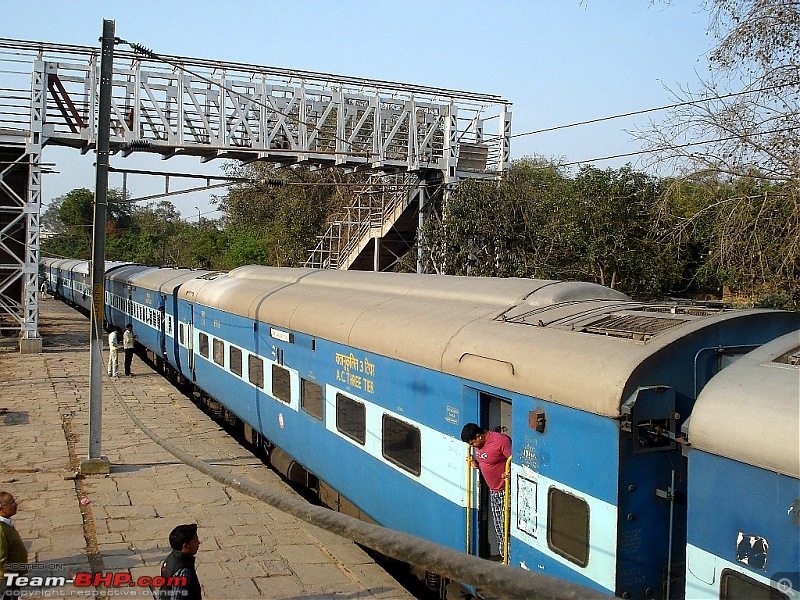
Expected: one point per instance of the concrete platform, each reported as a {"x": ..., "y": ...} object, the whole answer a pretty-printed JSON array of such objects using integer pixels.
[{"x": 120, "y": 522}]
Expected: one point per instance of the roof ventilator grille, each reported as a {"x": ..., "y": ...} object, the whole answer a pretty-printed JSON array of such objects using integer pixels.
[
  {"x": 693, "y": 310},
  {"x": 633, "y": 327},
  {"x": 210, "y": 276},
  {"x": 792, "y": 357}
]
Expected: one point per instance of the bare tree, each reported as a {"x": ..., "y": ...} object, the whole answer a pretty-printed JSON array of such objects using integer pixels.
[{"x": 738, "y": 140}]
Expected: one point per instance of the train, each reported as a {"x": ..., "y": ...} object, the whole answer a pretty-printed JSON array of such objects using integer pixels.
[{"x": 654, "y": 444}]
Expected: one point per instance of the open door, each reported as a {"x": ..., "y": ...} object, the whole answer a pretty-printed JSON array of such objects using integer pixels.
[{"x": 495, "y": 415}]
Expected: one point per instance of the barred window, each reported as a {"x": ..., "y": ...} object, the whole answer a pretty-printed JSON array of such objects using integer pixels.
[
  {"x": 351, "y": 418},
  {"x": 219, "y": 352},
  {"x": 568, "y": 526},
  {"x": 255, "y": 371},
  {"x": 204, "y": 345},
  {"x": 311, "y": 400},
  {"x": 734, "y": 585},
  {"x": 401, "y": 444},
  {"x": 281, "y": 384},
  {"x": 235, "y": 360}
]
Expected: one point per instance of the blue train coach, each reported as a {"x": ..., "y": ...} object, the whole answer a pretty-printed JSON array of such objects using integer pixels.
[
  {"x": 366, "y": 380},
  {"x": 146, "y": 297},
  {"x": 359, "y": 384},
  {"x": 744, "y": 479},
  {"x": 70, "y": 280}
]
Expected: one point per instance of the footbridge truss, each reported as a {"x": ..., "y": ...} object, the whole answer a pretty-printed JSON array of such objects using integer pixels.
[{"x": 172, "y": 105}]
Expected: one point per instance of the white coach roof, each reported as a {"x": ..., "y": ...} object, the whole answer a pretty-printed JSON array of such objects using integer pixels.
[
  {"x": 750, "y": 411},
  {"x": 522, "y": 335}
]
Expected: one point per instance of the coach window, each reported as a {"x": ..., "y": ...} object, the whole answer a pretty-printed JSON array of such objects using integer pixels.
[
  {"x": 204, "y": 345},
  {"x": 351, "y": 418},
  {"x": 568, "y": 526},
  {"x": 235, "y": 359},
  {"x": 180, "y": 334},
  {"x": 219, "y": 352},
  {"x": 311, "y": 398},
  {"x": 401, "y": 444},
  {"x": 281, "y": 384},
  {"x": 255, "y": 371},
  {"x": 733, "y": 584}
]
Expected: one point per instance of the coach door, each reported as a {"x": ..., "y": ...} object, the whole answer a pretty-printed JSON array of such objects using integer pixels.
[
  {"x": 190, "y": 340},
  {"x": 495, "y": 415},
  {"x": 162, "y": 335}
]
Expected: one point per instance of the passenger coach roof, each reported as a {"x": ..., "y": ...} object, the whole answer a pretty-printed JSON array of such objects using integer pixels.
[
  {"x": 523, "y": 335},
  {"x": 750, "y": 411},
  {"x": 163, "y": 279}
]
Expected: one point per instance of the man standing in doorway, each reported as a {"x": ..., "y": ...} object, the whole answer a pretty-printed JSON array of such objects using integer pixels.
[{"x": 490, "y": 453}]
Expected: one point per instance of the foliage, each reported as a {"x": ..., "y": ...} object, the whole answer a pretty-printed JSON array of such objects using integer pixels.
[
  {"x": 737, "y": 143},
  {"x": 618, "y": 227},
  {"x": 598, "y": 226},
  {"x": 72, "y": 216},
  {"x": 280, "y": 214}
]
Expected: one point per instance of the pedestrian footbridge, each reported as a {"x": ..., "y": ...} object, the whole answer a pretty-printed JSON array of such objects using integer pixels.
[{"x": 416, "y": 141}]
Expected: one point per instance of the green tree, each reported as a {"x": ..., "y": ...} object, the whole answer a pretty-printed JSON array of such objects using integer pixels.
[
  {"x": 616, "y": 238},
  {"x": 243, "y": 247},
  {"x": 599, "y": 226},
  {"x": 70, "y": 217},
  {"x": 278, "y": 215},
  {"x": 499, "y": 229}
]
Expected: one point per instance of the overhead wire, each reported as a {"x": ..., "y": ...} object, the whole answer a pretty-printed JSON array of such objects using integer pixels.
[
  {"x": 675, "y": 146},
  {"x": 140, "y": 49},
  {"x": 655, "y": 109}
]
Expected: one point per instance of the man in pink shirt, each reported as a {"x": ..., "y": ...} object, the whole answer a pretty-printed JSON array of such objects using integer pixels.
[{"x": 490, "y": 453}]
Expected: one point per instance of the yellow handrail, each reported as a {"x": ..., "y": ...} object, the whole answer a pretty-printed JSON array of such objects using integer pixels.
[
  {"x": 507, "y": 510},
  {"x": 469, "y": 499}
]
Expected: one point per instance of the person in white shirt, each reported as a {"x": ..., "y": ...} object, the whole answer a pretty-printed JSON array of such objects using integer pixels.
[{"x": 113, "y": 353}]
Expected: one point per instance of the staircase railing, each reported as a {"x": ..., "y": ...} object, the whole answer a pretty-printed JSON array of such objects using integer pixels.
[{"x": 371, "y": 214}]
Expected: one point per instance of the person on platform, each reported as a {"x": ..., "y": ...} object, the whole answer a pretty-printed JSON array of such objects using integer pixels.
[
  {"x": 13, "y": 555},
  {"x": 178, "y": 568},
  {"x": 113, "y": 352},
  {"x": 128, "y": 345},
  {"x": 490, "y": 453}
]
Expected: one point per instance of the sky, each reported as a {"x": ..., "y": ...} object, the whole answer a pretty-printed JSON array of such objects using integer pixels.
[{"x": 557, "y": 61}]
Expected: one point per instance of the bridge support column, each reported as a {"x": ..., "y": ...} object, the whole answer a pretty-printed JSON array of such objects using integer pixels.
[
  {"x": 30, "y": 340},
  {"x": 422, "y": 215},
  {"x": 18, "y": 261}
]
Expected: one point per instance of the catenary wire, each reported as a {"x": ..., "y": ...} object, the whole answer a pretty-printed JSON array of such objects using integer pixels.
[
  {"x": 655, "y": 109},
  {"x": 685, "y": 145}
]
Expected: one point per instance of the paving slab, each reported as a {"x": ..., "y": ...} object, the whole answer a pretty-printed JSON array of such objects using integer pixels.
[{"x": 120, "y": 522}]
